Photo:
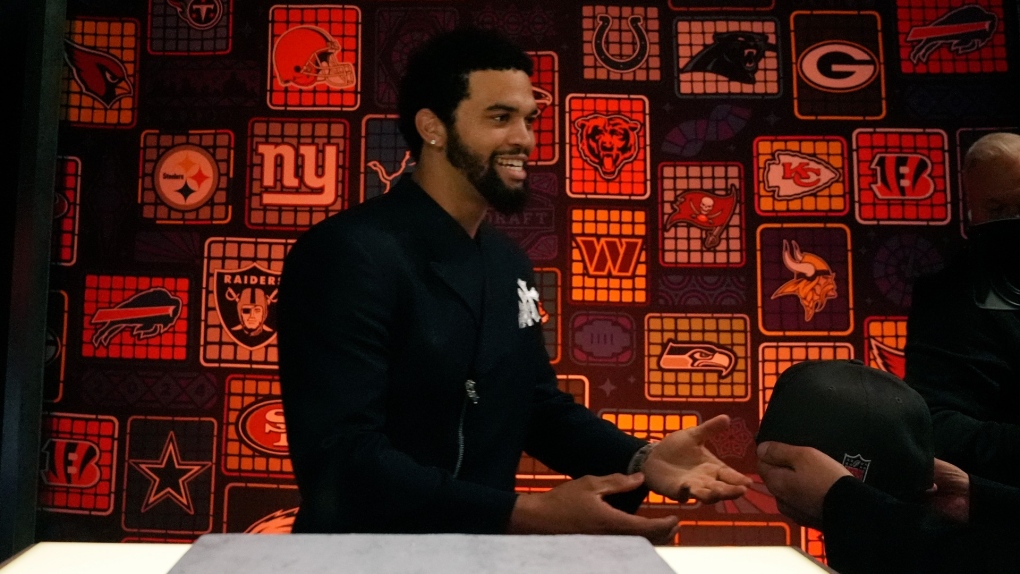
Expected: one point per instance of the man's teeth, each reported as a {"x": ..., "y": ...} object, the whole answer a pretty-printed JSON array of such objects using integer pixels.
[{"x": 511, "y": 163}]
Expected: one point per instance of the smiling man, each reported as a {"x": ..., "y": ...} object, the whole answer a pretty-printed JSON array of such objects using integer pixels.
[{"x": 412, "y": 362}]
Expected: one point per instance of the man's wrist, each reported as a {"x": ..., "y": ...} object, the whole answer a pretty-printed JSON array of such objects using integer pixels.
[{"x": 637, "y": 462}]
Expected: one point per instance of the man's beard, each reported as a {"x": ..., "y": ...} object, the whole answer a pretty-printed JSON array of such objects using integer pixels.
[{"x": 501, "y": 197}]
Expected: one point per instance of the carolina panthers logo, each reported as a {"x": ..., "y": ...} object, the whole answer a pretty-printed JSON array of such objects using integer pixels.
[
  {"x": 607, "y": 142},
  {"x": 733, "y": 55}
]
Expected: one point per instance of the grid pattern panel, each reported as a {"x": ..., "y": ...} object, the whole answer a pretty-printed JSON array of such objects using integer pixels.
[
  {"x": 621, "y": 43},
  {"x": 801, "y": 175},
  {"x": 384, "y": 154},
  {"x": 131, "y": 317},
  {"x": 185, "y": 177},
  {"x": 113, "y": 45},
  {"x": 66, "y": 211},
  {"x": 951, "y": 36},
  {"x": 255, "y": 435},
  {"x": 675, "y": 345},
  {"x": 774, "y": 358},
  {"x": 608, "y": 259},
  {"x": 197, "y": 28},
  {"x": 696, "y": 36},
  {"x": 884, "y": 341},
  {"x": 78, "y": 460},
  {"x": 700, "y": 207},
  {"x": 547, "y": 282},
  {"x": 902, "y": 176},
  {"x": 545, "y": 84},
  {"x": 599, "y": 164}
]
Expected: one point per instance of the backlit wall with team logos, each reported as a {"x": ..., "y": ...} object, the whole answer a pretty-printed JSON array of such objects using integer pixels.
[{"x": 721, "y": 189}]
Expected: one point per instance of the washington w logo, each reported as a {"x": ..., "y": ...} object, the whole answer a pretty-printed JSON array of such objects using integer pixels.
[{"x": 610, "y": 256}]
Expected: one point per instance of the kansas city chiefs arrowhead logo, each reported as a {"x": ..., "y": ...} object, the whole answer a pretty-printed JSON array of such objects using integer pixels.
[{"x": 791, "y": 175}]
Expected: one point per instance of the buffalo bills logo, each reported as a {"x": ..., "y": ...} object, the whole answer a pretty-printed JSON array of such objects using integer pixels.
[
  {"x": 902, "y": 176},
  {"x": 733, "y": 55},
  {"x": 965, "y": 29},
  {"x": 147, "y": 314},
  {"x": 704, "y": 210},
  {"x": 246, "y": 303},
  {"x": 702, "y": 356},
  {"x": 607, "y": 142},
  {"x": 98, "y": 74}
]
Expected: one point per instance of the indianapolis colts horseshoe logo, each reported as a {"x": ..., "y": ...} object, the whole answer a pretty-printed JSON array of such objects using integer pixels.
[{"x": 636, "y": 59}]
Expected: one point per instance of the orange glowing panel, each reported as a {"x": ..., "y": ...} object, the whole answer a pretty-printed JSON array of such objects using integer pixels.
[
  {"x": 707, "y": 68},
  {"x": 697, "y": 357},
  {"x": 255, "y": 432},
  {"x": 608, "y": 146},
  {"x": 621, "y": 43},
  {"x": 314, "y": 59},
  {"x": 951, "y": 36},
  {"x": 701, "y": 214},
  {"x": 56, "y": 347},
  {"x": 254, "y": 508},
  {"x": 190, "y": 28},
  {"x": 78, "y": 463},
  {"x": 529, "y": 467},
  {"x": 774, "y": 358},
  {"x": 129, "y": 317},
  {"x": 545, "y": 84},
  {"x": 184, "y": 176},
  {"x": 884, "y": 340},
  {"x": 608, "y": 256},
  {"x": 813, "y": 542},
  {"x": 801, "y": 175},
  {"x": 547, "y": 282},
  {"x": 239, "y": 292},
  {"x": 100, "y": 80},
  {"x": 66, "y": 211},
  {"x": 298, "y": 172},
  {"x": 902, "y": 176},
  {"x": 733, "y": 533}
]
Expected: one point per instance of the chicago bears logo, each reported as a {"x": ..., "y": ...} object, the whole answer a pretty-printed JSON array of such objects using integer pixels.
[
  {"x": 70, "y": 463},
  {"x": 640, "y": 53},
  {"x": 306, "y": 56},
  {"x": 813, "y": 281},
  {"x": 702, "y": 356},
  {"x": 902, "y": 176},
  {"x": 704, "y": 210},
  {"x": 965, "y": 29},
  {"x": 607, "y": 142},
  {"x": 792, "y": 175},
  {"x": 149, "y": 313},
  {"x": 199, "y": 14},
  {"x": 733, "y": 55},
  {"x": 98, "y": 74},
  {"x": 263, "y": 428},
  {"x": 245, "y": 301}
]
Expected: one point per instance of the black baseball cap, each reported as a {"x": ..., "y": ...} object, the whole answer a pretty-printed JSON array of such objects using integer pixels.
[{"x": 868, "y": 420}]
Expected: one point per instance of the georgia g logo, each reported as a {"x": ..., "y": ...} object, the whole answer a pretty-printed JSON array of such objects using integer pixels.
[{"x": 607, "y": 142}]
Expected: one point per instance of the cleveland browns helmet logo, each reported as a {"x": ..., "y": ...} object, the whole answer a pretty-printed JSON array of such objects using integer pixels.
[
  {"x": 813, "y": 281},
  {"x": 246, "y": 303},
  {"x": 701, "y": 356},
  {"x": 199, "y": 14},
  {"x": 305, "y": 56},
  {"x": 98, "y": 74},
  {"x": 607, "y": 142},
  {"x": 733, "y": 55},
  {"x": 902, "y": 176},
  {"x": 147, "y": 314},
  {"x": 965, "y": 29}
]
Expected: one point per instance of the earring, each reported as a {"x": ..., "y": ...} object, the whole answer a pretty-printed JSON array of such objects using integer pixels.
[{"x": 433, "y": 142}]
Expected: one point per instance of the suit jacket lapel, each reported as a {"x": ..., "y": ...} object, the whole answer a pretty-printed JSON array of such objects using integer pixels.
[{"x": 499, "y": 315}]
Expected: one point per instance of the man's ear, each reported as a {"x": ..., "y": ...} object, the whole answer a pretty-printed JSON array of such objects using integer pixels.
[{"x": 430, "y": 127}]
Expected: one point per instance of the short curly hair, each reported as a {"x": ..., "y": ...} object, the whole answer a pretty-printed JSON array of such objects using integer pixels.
[{"x": 437, "y": 75}]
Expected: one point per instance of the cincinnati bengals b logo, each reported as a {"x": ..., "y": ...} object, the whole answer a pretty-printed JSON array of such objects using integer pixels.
[{"x": 902, "y": 176}]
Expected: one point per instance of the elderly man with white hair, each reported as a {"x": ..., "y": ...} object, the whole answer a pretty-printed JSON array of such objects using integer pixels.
[{"x": 963, "y": 333}]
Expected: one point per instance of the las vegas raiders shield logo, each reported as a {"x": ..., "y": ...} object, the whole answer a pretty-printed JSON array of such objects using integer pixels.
[{"x": 246, "y": 303}]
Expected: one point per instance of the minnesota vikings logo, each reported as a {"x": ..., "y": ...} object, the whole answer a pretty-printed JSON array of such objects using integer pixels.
[{"x": 813, "y": 281}]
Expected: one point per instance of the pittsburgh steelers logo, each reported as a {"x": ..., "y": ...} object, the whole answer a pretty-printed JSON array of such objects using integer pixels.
[{"x": 186, "y": 177}]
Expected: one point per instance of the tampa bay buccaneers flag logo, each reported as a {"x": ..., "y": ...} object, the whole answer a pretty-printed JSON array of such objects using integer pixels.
[
  {"x": 246, "y": 303},
  {"x": 704, "y": 210}
]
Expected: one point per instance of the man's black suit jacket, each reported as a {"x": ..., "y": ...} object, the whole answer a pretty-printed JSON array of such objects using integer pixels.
[{"x": 385, "y": 311}]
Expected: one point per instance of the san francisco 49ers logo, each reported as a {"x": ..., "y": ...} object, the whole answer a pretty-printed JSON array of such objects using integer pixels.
[
  {"x": 607, "y": 142},
  {"x": 199, "y": 14},
  {"x": 70, "y": 463},
  {"x": 246, "y": 304},
  {"x": 902, "y": 176},
  {"x": 262, "y": 427}
]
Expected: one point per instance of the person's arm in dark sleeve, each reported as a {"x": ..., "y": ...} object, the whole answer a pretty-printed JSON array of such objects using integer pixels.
[
  {"x": 958, "y": 361},
  {"x": 339, "y": 314}
]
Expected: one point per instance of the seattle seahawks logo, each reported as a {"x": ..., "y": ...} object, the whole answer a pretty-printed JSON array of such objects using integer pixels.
[{"x": 701, "y": 356}]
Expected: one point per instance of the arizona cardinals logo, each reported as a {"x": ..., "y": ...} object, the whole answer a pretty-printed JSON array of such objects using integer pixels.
[
  {"x": 704, "y": 210},
  {"x": 640, "y": 52},
  {"x": 245, "y": 301},
  {"x": 701, "y": 356},
  {"x": 733, "y": 55},
  {"x": 199, "y": 14},
  {"x": 965, "y": 29},
  {"x": 607, "y": 142},
  {"x": 889, "y": 359},
  {"x": 902, "y": 176},
  {"x": 813, "y": 281},
  {"x": 70, "y": 463},
  {"x": 147, "y": 314},
  {"x": 98, "y": 74},
  {"x": 791, "y": 175},
  {"x": 279, "y": 522}
]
